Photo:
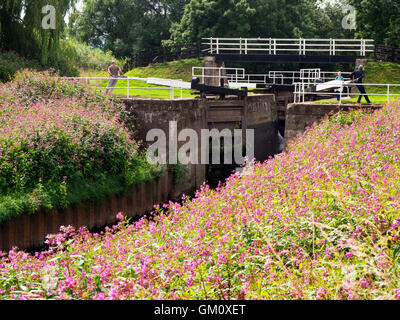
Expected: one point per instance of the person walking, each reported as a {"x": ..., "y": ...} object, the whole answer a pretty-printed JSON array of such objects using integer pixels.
[
  {"x": 114, "y": 71},
  {"x": 357, "y": 77}
]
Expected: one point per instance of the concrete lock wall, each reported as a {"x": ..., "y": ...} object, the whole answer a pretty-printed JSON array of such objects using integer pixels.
[
  {"x": 262, "y": 117},
  {"x": 299, "y": 116},
  {"x": 258, "y": 112},
  {"x": 156, "y": 114}
]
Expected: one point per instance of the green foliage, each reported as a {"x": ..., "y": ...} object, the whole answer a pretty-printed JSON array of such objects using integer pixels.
[
  {"x": 347, "y": 118},
  {"x": 60, "y": 143},
  {"x": 318, "y": 222},
  {"x": 84, "y": 57},
  {"x": 180, "y": 69},
  {"x": 382, "y": 72},
  {"x": 249, "y": 18},
  {"x": 10, "y": 63},
  {"x": 379, "y": 20},
  {"x": 125, "y": 26},
  {"x": 27, "y": 36},
  {"x": 180, "y": 172}
]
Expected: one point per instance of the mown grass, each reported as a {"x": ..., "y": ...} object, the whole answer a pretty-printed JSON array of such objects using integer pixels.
[
  {"x": 178, "y": 70},
  {"x": 142, "y": 89}
]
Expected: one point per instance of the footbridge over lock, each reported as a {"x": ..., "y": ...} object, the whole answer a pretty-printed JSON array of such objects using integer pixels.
[{"x": 279, "y": 50}]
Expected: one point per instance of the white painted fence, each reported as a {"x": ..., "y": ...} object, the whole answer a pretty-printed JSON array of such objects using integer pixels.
[
  {"x": 301, "y": 90},
  {"x": 275, "y": 46},
  {"x": 171, "y": 85}
]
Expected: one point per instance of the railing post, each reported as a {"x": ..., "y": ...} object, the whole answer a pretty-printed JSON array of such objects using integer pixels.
[
  {"x": 361, "y": 49},
  {"x": 270, "y": 44},
  {"x": 245, "y": 46},
  {"x": 274, "y": 46},
  {"x": 388, "y": 93},
  {"x": 334, "y": 47},
  {"x": 300, "y": 46},
  {"x": 128, "y": 95},
  {"x": 217, "y": 45},
  {"x": 240, "y": 45}
]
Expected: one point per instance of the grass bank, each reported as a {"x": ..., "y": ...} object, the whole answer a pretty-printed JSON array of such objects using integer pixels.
[{"x": 179, "y": 70}]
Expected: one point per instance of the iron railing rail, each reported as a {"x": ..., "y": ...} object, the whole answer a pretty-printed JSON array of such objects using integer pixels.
[
  {"x": 172, "y": 86},
  {"x": 276, "y": 46},
  {"x": 301, "y": 91}
]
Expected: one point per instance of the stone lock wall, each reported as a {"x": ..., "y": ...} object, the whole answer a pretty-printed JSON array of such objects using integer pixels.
[{"x": 299, "y": 116}]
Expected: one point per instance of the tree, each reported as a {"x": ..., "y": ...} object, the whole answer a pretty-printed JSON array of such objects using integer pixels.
[
  {"x": 379, "y": 20},
  {"x": 26, "y": 35},
  {"x": 125, "y": 26},
  {"x": 246, "y": 18}
]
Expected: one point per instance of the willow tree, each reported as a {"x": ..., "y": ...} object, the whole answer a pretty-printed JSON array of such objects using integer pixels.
[{"x": 24, "y": 27}]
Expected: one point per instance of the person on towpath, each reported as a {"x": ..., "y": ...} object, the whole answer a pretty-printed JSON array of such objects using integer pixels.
[
  {"x": 357, "y": 77},
  {"x": 114, "y": 71}
]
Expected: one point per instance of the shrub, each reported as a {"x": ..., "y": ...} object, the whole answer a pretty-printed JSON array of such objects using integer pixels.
[
  {"x": 320, "y": 221},
  {"x": 10, "y": 63},
  {"x": 60, "y": 143},
  {"x": 85, "y": 57}
]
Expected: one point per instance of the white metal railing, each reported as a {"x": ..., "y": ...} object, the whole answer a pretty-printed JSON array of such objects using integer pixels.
[
  {"x": 310, "y": 76},
  {"x": 271, "y": 46},
  {"x": 235, "y": 74},
  {"x": 172, "y": 85},
  {"x": 239, "y": 76},
  {"x": 301, "y": 91},
  {"x": 291, "y": 77}
]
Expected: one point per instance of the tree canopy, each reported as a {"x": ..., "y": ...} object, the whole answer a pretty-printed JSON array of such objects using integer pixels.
[
  {"x": 128, "y": 26},
  {"x": 258, "y": 18},
  {"x": 22, "y": 30},
  {"x": 125, "y": 26},
  {"x": 379, "y": 20}
]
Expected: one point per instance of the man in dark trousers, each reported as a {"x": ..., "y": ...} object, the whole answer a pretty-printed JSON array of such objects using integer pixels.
[{"x": 357, "y": 77}]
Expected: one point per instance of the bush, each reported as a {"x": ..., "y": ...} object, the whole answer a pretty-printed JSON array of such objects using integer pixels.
[
  {"x": 320, "y": 221},
  {"x": 85, "y": 57},
  {"x": 60, "y": 144},
  {"x": 10, "y": 63}
]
